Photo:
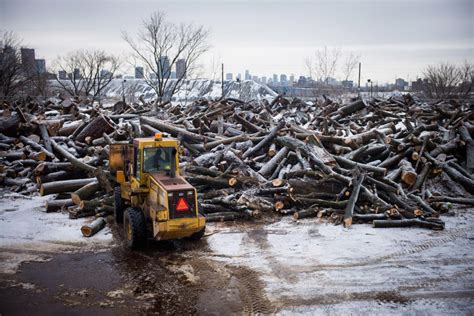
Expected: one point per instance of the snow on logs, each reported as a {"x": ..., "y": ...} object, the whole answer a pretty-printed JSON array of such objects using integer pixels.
[{"x": 362, "y": 161}]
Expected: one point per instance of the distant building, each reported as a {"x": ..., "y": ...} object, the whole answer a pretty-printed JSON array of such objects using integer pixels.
[
  {"x": 292, "y": 79},
  {"x": 348, "y": 84},
  {"x": 139, "y": 74},
  {"x": 28, "y": 60},
  {"x": 247, "y": 75},
  {"x": 400, "y": 84},
  {"x": 229, "y": 76},
  {"x": 302, "y": 81},
  {"x": 77, "y": 74},
  {"x": 164, "y": 62},
  {"x": 264, "y": 79},
  {"x": 275, "y": 78},
  {"x": 104, "y": 74},
  {"x": 180, "y": 68},
  {"x": 239, "y": 77},
  {"x": 419, "y": 84},
  {"x": 62, "y": 75},
  {"x": 283, "y": 79},
  {"x": 40, "y": 66}
]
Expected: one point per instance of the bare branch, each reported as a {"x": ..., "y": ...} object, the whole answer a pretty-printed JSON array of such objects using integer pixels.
[{"x": 160, "y": 45}]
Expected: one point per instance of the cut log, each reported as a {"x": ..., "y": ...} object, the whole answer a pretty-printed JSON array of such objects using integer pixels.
[
  {"x": 356, "y": 183},
  {"x": 73, "y": 160},
  {"x": 95, "y": 128},
  {"x": 85, "y": 192},
  {"x": 57, "y": 205},
  {"x": 174, "y": 130},
  {"x": 264, "y": 142},
  {"x": 407, "y": 223},
  {"x": 272, "y": 163},
  {"x": 64, "y": 186},
  {"x": 408, "y": 174},
  {"x": 93, "y": 228}
]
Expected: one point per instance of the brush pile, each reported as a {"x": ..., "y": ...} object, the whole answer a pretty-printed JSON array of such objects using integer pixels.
[{"x": 373, "y": 161}]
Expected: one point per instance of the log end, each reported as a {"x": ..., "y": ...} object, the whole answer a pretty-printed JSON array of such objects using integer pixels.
[
  {"x": 232, "y": 181},
  {"x": 86, "y": 231},
  {"x": 278, "y": 182},
  {"x": 409, "y": 178},
  {"x": 279, "y": 205}
]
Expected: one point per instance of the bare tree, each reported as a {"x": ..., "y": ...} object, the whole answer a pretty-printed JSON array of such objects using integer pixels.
[
  {"x": 323, "y": 64},
  {"x": 88, "y": 72},
  {"x": 12, "y": 76},
  {"x": 466, "y": 72},
  {"x": 447, "y": 80},
  {"x": 162, "y": 45},
  {"x": 351, "y": 61}
]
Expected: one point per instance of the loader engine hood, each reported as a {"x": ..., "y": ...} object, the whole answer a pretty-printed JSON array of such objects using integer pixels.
[
  {"x": 181, "y": 195},
  {"x": 170, "y": 184}
]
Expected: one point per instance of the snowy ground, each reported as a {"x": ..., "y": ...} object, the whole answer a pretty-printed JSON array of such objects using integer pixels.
[
  {"x": 317, "y": 268},
  {"x": 287, "y": 267},
  {"x": 27, "y": 233}
]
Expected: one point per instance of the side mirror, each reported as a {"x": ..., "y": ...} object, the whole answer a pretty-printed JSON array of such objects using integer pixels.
[{"x": 120, "y": 176}]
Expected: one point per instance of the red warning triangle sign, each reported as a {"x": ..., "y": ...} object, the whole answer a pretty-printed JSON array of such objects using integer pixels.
[{"x": 182, "y": 205}]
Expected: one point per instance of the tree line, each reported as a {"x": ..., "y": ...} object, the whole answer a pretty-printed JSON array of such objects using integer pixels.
[{"x": 161, "y": 45}]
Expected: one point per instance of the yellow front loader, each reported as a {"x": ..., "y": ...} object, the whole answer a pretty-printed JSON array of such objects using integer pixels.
[{"x": 151, "y": 198}]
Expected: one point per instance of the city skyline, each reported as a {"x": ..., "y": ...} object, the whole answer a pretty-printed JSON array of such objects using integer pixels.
[{"x": 257, "y": 37}]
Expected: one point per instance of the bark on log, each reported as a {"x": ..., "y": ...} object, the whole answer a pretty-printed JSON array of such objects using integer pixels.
[
  {"x": 312, "y": 212},
  {"x": 376, "y": 170},
  {"x": 45, "y": 136},
  {"x": 174, "y": 130},
  {"x": 64, "y": 186},
  {"x": 266, "y": 141},
  {"x": 85, "y": 192},
  {"x": 38, "y": 147},
  {"x": 73, "y": 160},
  {"x": 356, "y": 183},
  {"x": 57, "y": 205},
  {"x": 408, "y": 174},
  {"x": 407, "y": 223},
  {"x": 95, "y": 129},
  {"x": 267, "y": 168}
]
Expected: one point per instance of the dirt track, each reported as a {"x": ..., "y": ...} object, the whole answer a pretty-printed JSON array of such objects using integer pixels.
[{"x": 282, "y": 267}]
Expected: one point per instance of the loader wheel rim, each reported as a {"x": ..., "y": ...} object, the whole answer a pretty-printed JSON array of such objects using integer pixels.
[{"x": 129, "y": 231}]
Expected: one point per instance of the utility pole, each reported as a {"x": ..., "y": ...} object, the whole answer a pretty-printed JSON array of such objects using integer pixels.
[
  {"x": 359, "y": 75},
  {"x": 222, "y": 77},
  {"x": 123, "y": 90}
]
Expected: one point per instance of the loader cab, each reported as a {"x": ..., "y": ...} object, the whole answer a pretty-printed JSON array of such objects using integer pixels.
[{"x": 134, "y": 162}]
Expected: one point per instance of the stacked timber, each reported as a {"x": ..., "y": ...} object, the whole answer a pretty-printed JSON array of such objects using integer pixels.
[{"x": 360, "y": 161}]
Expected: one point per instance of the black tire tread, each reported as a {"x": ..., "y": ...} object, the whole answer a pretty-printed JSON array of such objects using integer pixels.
[
  {"x": 137, "y": 220},
  {"x": 118, "y": 205}
]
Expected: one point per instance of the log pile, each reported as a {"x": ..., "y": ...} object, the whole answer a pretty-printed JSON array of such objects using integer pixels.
[{"x": 361, "y": 161}]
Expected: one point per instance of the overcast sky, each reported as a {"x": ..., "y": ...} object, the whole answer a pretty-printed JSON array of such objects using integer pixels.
[{"x": 395, "y": 38}]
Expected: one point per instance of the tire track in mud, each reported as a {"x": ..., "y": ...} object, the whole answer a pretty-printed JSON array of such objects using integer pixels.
[
  {"x": 449, "y": 237},
  {"x": 252, "y": 292}
]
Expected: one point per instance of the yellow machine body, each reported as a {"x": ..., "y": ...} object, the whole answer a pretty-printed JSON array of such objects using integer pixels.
[{"x": 167, "y": 200}]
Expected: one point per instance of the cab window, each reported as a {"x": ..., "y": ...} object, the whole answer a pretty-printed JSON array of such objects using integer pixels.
[{"x": 157, "y": 159}]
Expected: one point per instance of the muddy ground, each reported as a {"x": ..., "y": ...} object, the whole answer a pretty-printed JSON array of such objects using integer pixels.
[{"x": 275, "y": 266}]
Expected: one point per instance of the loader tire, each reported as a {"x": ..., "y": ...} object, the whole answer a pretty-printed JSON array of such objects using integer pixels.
[
  {"x": 135, "y": 228},
  {"x": 118, "y": 206}
]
